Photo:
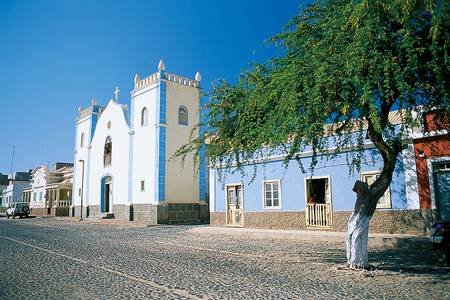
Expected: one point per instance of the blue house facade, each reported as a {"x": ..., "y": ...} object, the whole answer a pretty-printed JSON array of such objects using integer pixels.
[{"x": 273, "y": 195}]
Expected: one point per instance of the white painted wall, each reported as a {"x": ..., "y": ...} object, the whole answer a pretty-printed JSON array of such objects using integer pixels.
[
  {"x": 84, "y": 125},
  {"x": 411, "y": 184},
  {"x": 144, "y": 145},
  {"x": 134, "y": 149},
  {"x": 38, "y": 185},
  {"x": 212, "y": 190},
  {"x": 13, "y": 192},
  {"x": 118, "y": 170},
  {"x": 181, "y": 183}
]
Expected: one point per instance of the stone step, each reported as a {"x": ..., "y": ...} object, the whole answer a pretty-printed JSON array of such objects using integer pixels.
[{"x": 103, "y": 215}]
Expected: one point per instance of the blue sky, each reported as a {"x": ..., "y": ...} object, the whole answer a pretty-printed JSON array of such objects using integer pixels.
[{"x": 57, "y": 55}]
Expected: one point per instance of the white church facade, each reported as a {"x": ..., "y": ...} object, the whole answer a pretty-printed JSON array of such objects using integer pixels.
[{"x": 123, "y": 164}]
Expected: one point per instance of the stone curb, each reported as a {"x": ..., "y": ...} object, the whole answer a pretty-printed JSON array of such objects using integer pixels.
[{"x": 377, "y": 239}]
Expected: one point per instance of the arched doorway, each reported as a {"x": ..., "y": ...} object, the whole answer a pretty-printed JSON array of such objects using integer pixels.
[{"x": 106, "y": 196}]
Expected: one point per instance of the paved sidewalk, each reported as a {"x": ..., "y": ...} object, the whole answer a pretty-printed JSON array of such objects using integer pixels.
[{"x": 375, "y": 239}]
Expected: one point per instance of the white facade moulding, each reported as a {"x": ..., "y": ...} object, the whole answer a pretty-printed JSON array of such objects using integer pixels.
[
  {"x": 156, "y": 77},
  {"x": 304, "y": 154},
  {"x": 84, "y": 112}
]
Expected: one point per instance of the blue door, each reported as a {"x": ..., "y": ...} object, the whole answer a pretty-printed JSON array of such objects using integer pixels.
[
  {"x": 106, "y": 192},
  {"x": 443, "y": 193}
]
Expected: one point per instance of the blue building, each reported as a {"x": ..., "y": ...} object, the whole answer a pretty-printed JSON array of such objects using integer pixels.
[{"x": 273, "y": 195}]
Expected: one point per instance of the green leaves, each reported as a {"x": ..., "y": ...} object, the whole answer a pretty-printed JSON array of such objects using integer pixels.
[{"x": 344, "y": 60}]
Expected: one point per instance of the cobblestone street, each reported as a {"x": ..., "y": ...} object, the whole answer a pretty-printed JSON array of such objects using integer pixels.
[{"x": 56, "y": 259}]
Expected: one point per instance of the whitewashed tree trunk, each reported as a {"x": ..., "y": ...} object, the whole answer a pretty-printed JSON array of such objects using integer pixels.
[
  {"x": 367, "y": 198},
  {"x": 357, "y": 240},
  {"x": 358, "y": 228}
]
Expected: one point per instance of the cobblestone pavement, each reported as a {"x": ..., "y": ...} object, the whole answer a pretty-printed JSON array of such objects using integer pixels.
[{"x": 56, "y": 259}]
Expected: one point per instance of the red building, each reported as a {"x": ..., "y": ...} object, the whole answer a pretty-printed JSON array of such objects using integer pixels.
[{"x": 432, "y": 154}]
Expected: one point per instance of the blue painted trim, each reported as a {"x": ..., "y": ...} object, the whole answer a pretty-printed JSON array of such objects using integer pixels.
[
  {"x": 162, "y": 101},
  {"x": 87, "y": 163},
  {"x": 102, "y": 192},
  {"x": 93, "y": 126},
  {"x": 202, "y": 182},
  {"x": 202, "y": 173},
  {"x": 162, "y": 164},
  {"x": 160, "y": 172}
]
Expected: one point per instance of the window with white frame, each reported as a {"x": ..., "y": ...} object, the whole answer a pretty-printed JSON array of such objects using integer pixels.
[
  {"x": 385, "y": 200},
  {"x": 142, "y": 185},
  {"x": 272, "y": 194}
]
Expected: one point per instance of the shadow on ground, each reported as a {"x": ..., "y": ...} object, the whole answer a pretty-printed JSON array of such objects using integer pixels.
[{"x": 405, "y": 260}]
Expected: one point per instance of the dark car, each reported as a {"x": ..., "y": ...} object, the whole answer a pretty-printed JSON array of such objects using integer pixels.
[{"x": 440, "y": 237}]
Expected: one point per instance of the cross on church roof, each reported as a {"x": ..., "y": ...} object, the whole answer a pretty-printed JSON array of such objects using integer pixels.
[{"x": 116, "y": 93}]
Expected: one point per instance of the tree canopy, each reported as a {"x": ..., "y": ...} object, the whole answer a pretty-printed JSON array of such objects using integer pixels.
[{"x": 345, "y": 62}]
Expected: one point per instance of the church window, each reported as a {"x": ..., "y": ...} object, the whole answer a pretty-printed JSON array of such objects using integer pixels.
[
  {"x": 182, "y": 115},
  {"x": 142, "y": 185},
  {"x": 82, "y": 140},
  {"x": 144, "y": 117},
  {"x": 107, "y": 152}
]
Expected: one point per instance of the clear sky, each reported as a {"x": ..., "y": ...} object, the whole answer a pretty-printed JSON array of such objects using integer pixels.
[{"x": 57, "y": 55}]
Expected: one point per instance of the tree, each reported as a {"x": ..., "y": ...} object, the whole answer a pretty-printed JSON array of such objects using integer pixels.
[{"x": 346, "y": 65}]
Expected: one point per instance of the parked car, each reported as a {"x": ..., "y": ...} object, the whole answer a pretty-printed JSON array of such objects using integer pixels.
[
  {"x": 21, "y": 209},
  {"x": 440, "y": 237}
]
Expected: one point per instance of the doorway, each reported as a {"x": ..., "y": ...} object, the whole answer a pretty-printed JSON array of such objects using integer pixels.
[
  {"x": 442, "y": 189},
  {"x": 319, "y": 211},
  {"x": 235, "y": 205},
  {"x": 106, "y": 194}
]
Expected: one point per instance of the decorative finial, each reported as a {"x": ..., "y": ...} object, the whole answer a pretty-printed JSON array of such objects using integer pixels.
[
  {"x": 198, "y": 76},
  {"x": 125, "y": 107},
  {"x": 116, "y": 94},
  {"x": 161, "y": 66},
  {"x": 94, "y": 101},
  {"x": 137, "y": 78},
  {"x": 80, "y": 108}
]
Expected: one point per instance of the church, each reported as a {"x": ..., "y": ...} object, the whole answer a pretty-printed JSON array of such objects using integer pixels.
[{"x": 123, "y": 164}]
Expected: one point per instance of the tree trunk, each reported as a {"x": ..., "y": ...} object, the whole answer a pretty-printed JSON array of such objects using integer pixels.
[
  {"x": 367, "y": 199},
  {"x": 357, "y": 239},
  {"x": 358, "y": 227}
]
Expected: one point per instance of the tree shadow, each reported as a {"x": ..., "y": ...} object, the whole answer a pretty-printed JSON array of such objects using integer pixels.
[
  {"x": 407, "y": 260},
  {"x": 411, "y": 260}
]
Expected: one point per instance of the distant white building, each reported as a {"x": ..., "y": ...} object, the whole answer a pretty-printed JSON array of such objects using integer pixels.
[
  {"x": 3, "y": 184},
  {"x": 122, "y": 154},
  {"x": 18, "y": 181},
  {"x": 50, "y": 191}
]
